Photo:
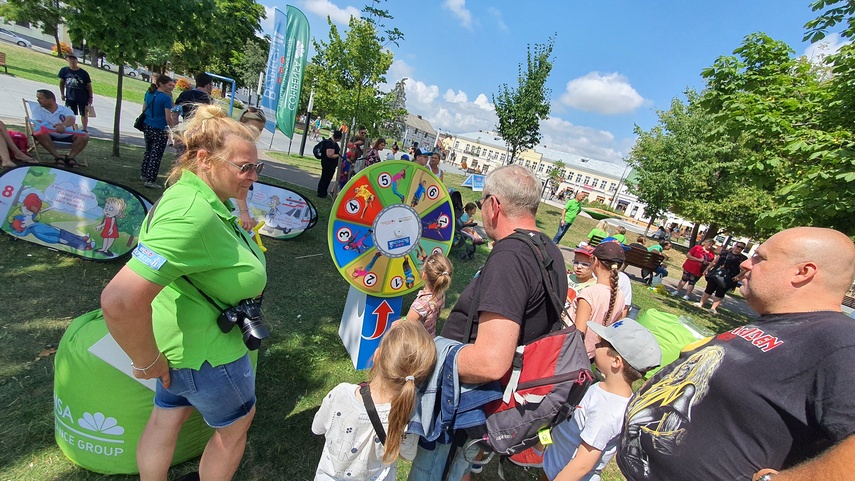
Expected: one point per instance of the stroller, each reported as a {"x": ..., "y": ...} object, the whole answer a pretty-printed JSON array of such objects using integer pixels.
[{"x": 461, "y": 238}]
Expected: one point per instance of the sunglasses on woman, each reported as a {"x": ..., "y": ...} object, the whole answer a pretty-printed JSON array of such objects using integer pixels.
[{"x": 248, "y": 167}]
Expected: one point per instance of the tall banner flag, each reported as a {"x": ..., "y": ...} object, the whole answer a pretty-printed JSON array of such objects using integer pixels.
[
  {"x": 296, "y": 53},
  {"x": 275, "y": 69}
]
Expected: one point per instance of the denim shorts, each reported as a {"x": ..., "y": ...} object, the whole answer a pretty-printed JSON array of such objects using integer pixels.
[{"x": 221, "y": 394}]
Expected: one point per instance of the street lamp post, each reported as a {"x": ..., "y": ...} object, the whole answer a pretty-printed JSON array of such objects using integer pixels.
[{"x": 619, "y": 186}]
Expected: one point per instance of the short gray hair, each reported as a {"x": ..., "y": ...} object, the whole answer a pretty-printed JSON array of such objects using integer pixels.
[{"x": 516, "y": 188}]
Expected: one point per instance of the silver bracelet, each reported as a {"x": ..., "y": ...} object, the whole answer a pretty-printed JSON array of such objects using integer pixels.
[{"x": 143, "y": 370}]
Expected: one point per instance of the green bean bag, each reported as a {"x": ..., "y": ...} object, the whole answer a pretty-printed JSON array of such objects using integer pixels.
[
  {"x": 100, "y": 411},
  {"x": 671, "y": 333}
]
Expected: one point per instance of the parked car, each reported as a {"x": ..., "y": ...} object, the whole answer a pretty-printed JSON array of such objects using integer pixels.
[
  {"x": 129, "y": 71},
  {"x": 13, "y": 37}
]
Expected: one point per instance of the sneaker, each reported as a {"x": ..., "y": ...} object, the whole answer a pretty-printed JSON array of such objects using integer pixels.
[
  {"x": 530, "y": 458},
  {"x": 698, "y": 305},
  {"x": 686, "y": 298},
  {"x": 142, "y": 178},
  {"x": 476, "y": 468},
  {"x": 713, "y": 312},
  {"x": 152, "y": 185}
]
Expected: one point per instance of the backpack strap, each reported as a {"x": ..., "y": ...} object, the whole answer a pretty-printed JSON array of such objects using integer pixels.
[{"x": 365, "y": 391}]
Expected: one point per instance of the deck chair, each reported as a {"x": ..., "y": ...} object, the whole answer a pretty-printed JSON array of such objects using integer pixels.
[{"x": 29, "y": 105}]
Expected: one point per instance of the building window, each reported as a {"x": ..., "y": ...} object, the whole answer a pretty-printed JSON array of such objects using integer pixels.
[
  {"x": 634, "y": 211},
  {"x": 502, "y": 158},
  {"x": 612, "y": 187},
  {"x": 603, "y": 185},
  {"x": 466, "y": 149},
  {"x": 578, "y": 178},
  {"x": 540, "y": 168},
  {"x": 456, "y": 144},
  {"x": 596, "y": 181},
  {"x": 601, "y": 200},
  {"x": 587, "y": 179}
]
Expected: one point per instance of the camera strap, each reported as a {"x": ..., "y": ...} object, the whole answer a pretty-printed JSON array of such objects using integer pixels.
[
  {"x": 365, "y": 391},
  {"x": 206, "y": 296}
]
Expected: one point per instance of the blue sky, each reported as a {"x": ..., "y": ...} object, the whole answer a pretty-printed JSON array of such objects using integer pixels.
[{"x": 615, "y": 62}]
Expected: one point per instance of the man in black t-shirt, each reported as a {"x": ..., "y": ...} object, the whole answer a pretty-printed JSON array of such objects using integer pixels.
[
  {"x": 513, "y": 302},
  {"x": 75, "y": 88},
  {"x": 329, "y": 162},
  {"x": 776, "y": 394},
  {"x": 199, "y": 95}
]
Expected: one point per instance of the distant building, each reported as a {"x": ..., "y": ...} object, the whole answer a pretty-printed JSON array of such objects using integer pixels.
[
  {"x": 417, "y": 129},
  {"x": 604, "y": 182}
]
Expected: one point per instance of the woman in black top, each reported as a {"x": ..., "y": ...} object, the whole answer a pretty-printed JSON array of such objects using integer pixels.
[{"x": 724, "y": 268}]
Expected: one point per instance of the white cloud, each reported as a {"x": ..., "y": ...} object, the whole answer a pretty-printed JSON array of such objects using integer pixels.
[
  {"x": 420, "y": 93},
  {"x": 497, "y": 16},
  {"x": 458, "y": 8},
  {"x": 608, "y": 94},
  {"x": 454, "y": 98},
  {"x": 267, "y": 23},
  {"x": 482, "y": 102},
  {"x": 829, "y": 45},
  {"x": 325, "y": 8},
  {"x": 560, "y": 134}
]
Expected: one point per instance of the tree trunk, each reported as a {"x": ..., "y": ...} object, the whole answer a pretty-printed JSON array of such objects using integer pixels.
[
  {"x": 58, "y": 44},
  {"x": 649, "y": 225},
  {"x": 118, "y": 115},
  {"x": 693, "y": 238}
]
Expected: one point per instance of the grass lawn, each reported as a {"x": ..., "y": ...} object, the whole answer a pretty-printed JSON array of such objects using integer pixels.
[
  {"x": 31, "y": 65},
  {"x": 301, "y": 362}
]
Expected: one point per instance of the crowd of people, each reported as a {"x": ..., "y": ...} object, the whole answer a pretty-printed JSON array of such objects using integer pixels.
[{"x": 772, "y": 396}]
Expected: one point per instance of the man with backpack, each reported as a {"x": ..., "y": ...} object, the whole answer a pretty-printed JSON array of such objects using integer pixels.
[
  {"x": 330, "y": 156},
  {"x": 508, "y": 300}
]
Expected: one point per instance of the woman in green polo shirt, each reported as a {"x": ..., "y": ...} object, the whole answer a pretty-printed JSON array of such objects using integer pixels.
[{"x": 193, "y": 261}]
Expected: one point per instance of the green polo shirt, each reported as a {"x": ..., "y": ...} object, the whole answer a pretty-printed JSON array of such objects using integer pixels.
[
  {"x": 571, "y": 210},
  {"x": 655, "y": 248},
  {"x": 193, "y": 233}
]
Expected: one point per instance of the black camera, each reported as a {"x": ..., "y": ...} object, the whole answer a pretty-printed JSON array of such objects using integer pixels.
[{"x": 247, "y": 315}]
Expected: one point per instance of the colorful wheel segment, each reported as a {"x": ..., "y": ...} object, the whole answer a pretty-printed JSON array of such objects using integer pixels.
[{"x": 384, "y": 224}]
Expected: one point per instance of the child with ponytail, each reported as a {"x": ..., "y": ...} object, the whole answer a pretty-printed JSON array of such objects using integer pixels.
[
  {"x": 430, "y": 301},
  {"x": 603, "y": 302},
  {"x": 353, "y": 450}
]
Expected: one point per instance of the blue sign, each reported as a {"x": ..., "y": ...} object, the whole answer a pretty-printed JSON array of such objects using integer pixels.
[
  {"x": 478, "y": 182},
  {"x": 398, "y": 243},
  {"x": 364, "y": 321}
]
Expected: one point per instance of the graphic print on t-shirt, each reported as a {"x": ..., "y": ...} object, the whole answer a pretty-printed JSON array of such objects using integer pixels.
[{"x": 658, "y": 418}]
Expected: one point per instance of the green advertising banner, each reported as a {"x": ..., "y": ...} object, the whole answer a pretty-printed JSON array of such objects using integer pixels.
[{"x": 296, "y": 54}]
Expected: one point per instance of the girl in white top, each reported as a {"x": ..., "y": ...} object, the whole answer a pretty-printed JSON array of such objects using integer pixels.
[
  {"x": 434, "y": 166},
  {"x": 353, "y": 450}
]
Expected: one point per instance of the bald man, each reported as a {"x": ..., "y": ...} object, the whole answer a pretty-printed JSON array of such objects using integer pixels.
[{"x": 772, "y": 400}]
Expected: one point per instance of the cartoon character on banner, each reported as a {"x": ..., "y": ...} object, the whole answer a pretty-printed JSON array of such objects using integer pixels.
[
  {"x": 26, "y": 221},
  {"x": 274, "y": 204},
  {"x": 364, "y": 193},
  {"x": 410, "y": 280},
  {"x": 114, "y": 209}
]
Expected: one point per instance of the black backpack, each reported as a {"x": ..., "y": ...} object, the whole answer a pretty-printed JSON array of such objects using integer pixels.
[{"x": 318, "y": 150}]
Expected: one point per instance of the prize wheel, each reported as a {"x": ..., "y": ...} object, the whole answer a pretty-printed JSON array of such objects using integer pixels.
[{"x": 385, "y": 222}]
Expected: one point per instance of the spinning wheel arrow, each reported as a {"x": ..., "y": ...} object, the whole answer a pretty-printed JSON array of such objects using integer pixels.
[{"x": 382, "y": 312}]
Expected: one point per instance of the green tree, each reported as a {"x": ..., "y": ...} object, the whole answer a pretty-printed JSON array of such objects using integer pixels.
[
  {"x": 679, "y": 167},
  {"x": 127, "y": 31},
  {"x": 794, "y": 127},
  {"x": 48, "y": 13},
  {"x": 521, "y": 110},
  {"x": 251, "y": 62},
  {"x": 353, "y": 68}
]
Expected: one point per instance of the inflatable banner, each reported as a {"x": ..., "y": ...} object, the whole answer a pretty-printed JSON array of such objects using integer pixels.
[
  {"x": 70, "y": 212},
  {"x": 286, "y": 214}
]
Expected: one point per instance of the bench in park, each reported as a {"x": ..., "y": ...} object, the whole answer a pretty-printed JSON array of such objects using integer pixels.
[
  {"x": 3, "y": 62},
  {"x": 643, "y": 259},
  {"x": 595, "y": 240}
]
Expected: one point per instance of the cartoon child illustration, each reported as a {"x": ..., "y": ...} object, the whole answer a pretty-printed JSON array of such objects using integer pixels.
[
  {"x": 27, "y": 222},
  {"x": 421, "y": 187},
  {"x": 114, "y": 209},
  {"x": 362, "y": 271},
  {"x": 395, "y": 179},
  {"x": 367, "y": 197},
  {"x": 408, "y": 273},
  {"x": 358, "y": 243},
  {"x": 274, "y": 204}
]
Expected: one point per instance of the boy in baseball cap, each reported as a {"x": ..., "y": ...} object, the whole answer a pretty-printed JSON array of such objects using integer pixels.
[{"x": 584, "y": 444}]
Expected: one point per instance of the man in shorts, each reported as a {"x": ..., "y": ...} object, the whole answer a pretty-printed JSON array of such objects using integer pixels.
[
  {"x": 75, "y": 88},
  {"x": 54, "y": 122}
]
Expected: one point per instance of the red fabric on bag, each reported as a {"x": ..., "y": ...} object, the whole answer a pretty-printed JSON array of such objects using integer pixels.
[{"x": 20, "y": 140}]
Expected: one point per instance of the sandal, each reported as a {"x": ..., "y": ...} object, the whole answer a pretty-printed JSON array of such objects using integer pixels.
[
  {"x": 70, "y": 162},
  {"x": 59, "y": 161}
]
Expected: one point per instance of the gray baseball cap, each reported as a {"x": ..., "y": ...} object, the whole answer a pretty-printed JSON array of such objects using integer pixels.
[{"x": 634, "y": 342}]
